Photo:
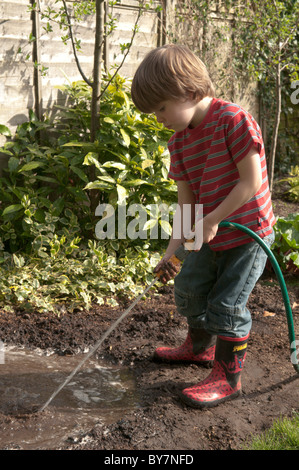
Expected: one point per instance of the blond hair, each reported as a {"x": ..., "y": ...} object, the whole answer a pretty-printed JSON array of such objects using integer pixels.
[{"x": 169, "y": 72}]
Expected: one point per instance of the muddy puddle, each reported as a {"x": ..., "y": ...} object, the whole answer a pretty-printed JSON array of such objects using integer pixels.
[{"x": 99, "y": 393}]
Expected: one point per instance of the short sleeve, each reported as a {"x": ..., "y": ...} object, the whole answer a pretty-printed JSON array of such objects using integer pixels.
[
  {"x": 243, "y": 133},
  {"x": 176, "y": 168}
]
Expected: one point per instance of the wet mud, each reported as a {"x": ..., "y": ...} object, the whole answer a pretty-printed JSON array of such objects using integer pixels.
[
  {"x": 149, "y": 414},
  {"x": 98, "y": 393}
]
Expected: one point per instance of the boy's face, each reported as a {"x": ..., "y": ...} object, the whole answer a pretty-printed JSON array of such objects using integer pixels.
[{"x": 177, "y": 114}]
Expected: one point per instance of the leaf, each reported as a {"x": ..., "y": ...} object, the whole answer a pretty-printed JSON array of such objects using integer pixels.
[
  {"x": 137, "y": 182},
  {"x": 106, "y": 178},
  {"x": 166, "y": 226},
  {"x": 5, "y": 151},
  {"x": 30, "y": 166},
  {"x": 108, "y": 120},
  {"x": 91, "y": 158},
  {"x": 121, "y": 192},
  {"x": 79, "y": 173},
  {"x": 13, "y": 163},
  {"x": 46, "y": 178},
  {"x": 126, "y": 138},
  {"x": 295, "y": 258},
  {"x": 98, "y": 185},
  {"x": 150, "y": 224},
  {"x": 12, "y": 208},
  {"x": 18, "y": 261},
  {"x": 58, "y": 206},
  {"x": 146, "y": 163},
  {"x": 5, "y": 131},
  {"x": 76, "y": 144},
  {"x": 118, "y": 165},
  {"x": 268, "y": 314}
]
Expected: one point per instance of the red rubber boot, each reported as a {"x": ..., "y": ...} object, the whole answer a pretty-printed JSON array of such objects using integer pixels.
[
  {"x": 224, "y": 382},
  {"x": 198, "y": 348}
]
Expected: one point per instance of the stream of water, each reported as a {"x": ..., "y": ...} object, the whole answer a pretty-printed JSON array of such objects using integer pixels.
[{"x": 99, "y": 393}]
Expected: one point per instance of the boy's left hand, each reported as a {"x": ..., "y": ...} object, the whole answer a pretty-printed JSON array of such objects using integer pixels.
[
  {"x": 205, "y": 231},
  {"x": 209, "y": 229}
]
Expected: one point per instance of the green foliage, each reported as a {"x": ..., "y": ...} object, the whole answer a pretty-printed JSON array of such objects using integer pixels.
[
  {"x": 283, "y": 435},
  {"x": 286, "y": 245},
  {"x": 73, "y": 277},
  {"x": 267, "y": 36},
  {"x": 266, "y": 49},
  {"x": 48, "y": 249},
  {"x": 293, "y": 181},
  {"x": 45, "y": 190}
]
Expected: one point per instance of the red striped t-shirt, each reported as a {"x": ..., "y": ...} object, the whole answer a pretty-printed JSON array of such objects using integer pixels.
[{"x": 206, "y": 158}]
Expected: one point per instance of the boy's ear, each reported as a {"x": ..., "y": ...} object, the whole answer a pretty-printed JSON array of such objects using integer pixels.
[{"x": 193, "y": 96}]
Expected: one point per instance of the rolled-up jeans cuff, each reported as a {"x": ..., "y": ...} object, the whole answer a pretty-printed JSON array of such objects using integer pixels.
[
  {"x": 192, "y": 307},
  {"x": 229, "y": 321}
]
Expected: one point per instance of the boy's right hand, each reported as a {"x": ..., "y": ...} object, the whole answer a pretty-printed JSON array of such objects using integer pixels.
[{"x": 168, "y": 270}]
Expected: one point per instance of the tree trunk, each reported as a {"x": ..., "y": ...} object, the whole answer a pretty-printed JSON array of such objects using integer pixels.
[
  {"x": 96, "y": 86},
  {"x": 37, "y": 81},
  {"x": 276, "y": 127}
]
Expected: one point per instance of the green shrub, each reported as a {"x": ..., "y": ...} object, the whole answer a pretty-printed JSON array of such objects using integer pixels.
[
  {"x": 93, "y": 275},
  {"x": 46, "y": 190},
  {"x": 293, "y": 181},
  {"x": 49, "y": 253},
  {"x": 286, "y": 244}
]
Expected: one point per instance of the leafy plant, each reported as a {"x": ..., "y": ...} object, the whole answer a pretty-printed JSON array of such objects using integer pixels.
[
  {"x": 73, "y": 277},
  {"x": 286, "y": 245},
  {"x": 39, "y": 189},
  {"x": 45, "y": 190},
  {"x": 49, "y": 253},
  {"x": 293, "y": 181}
]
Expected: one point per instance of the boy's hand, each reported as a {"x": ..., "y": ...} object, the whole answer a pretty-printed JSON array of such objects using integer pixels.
[
  {"x": 204, "y": 232},
  {"x": 209, "y": 230},
  {"x": 169, "y": 269}
]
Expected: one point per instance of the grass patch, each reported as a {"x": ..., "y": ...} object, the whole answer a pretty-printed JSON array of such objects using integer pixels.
[{"x": 283, "y": 435}]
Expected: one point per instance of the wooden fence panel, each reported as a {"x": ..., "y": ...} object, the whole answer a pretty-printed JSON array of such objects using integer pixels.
[{"x": 16, "y": 78}]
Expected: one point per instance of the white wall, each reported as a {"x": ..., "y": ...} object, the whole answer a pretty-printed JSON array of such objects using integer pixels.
[{"x": 16, "y": 73}]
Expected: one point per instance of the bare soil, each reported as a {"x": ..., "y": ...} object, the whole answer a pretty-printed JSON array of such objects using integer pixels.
[{"x": 162, "y": 421}]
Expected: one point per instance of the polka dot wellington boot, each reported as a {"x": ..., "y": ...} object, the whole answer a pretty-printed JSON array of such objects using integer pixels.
[
  {"x": 224, "y": 381},
  {"x": 198, "y": 348}
]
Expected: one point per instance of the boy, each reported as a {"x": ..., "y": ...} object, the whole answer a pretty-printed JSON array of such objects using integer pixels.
[{"x": 218, "y": 161}]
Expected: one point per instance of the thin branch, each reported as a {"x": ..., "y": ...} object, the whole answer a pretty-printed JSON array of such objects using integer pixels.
[
  {"x": 127, "y": 51},
  {"x": 293, "y": 30},
  {"x": 74, "y": 47}
]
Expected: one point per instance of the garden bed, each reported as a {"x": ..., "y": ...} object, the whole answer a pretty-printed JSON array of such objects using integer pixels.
[{"x": 161, "y": 421}]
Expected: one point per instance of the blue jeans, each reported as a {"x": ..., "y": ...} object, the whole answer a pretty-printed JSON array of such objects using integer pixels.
[{"x": 213, "y": 287}]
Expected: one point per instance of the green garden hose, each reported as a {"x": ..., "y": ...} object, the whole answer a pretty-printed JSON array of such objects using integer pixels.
[{"x": 282, "y": 284}]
